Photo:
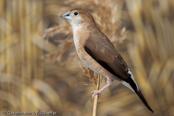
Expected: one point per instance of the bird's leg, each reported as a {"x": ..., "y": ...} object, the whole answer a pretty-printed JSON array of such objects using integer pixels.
[{"x": 95, "y": 92}]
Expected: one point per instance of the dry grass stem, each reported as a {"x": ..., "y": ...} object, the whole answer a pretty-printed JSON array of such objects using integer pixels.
[{"x": 96, "y": 97}]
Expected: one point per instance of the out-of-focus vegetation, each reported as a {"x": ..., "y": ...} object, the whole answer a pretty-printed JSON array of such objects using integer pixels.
[{"x": 40, "y": 70}]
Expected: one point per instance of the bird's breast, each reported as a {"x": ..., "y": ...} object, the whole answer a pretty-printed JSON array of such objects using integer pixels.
[{"x": 80, "y": 36}]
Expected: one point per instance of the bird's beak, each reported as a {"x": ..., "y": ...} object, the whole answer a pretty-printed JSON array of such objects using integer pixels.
[{"x": 66, "y": 16}]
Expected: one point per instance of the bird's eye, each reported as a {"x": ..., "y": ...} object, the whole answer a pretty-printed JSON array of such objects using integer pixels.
[{"x": 76, "y": 13}]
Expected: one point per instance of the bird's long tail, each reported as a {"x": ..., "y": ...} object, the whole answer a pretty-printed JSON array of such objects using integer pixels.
[{"x": 140, "y": 95}]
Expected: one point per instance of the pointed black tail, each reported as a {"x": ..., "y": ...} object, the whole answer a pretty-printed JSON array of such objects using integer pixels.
[{"x": 140, "y": 95}]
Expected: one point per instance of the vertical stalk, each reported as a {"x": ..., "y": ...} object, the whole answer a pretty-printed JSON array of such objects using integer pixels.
[{"x": 96, "y": 97}]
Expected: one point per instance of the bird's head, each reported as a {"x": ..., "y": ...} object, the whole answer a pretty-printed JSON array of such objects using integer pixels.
[{"x": 78, "y": 17}]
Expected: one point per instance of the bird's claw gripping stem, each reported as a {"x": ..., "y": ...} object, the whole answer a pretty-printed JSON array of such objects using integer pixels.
[{"x": 95, "y": 92}]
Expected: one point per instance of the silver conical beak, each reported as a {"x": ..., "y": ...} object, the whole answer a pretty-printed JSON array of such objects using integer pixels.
[{"x": 66, "y": 15}]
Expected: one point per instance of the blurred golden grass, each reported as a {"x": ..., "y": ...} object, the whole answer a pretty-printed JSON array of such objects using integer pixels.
[{"x": 40, "y": 70}]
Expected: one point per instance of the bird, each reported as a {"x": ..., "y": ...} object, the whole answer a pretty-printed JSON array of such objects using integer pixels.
[{"x": 98, "y": 53}]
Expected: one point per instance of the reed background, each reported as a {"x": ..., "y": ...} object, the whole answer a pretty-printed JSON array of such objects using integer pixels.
[{"x": 40, "y": 70}]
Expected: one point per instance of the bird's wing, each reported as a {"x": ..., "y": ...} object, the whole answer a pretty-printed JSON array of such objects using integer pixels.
[{"x": 102, "y": 50}]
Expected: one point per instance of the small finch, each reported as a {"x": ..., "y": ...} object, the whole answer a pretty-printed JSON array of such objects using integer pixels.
[{"x": 98, "y": 53}]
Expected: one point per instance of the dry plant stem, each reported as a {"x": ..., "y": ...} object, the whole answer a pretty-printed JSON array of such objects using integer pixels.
[{"x": 96, "y": 97}]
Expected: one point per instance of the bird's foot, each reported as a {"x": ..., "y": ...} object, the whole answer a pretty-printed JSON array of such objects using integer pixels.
[{"x": 95, "y": 92}]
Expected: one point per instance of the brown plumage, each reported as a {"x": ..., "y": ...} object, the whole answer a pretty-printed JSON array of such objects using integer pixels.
[
  {"x": 103, "y": 51},
  {"x": 98, "y": 53}
]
